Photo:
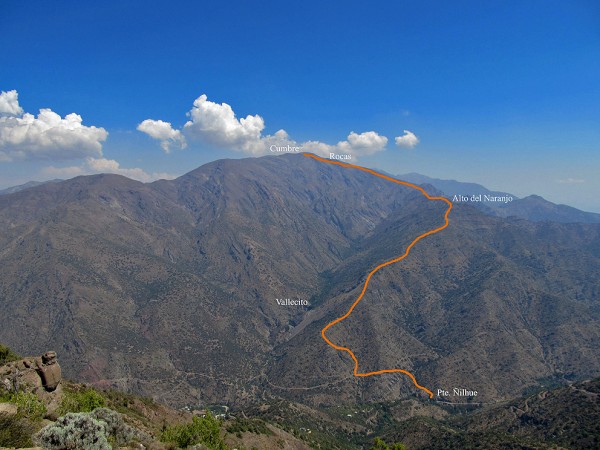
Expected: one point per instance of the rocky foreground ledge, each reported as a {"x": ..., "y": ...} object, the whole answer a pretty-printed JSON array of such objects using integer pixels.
[
  {"x": 40, "y": 375},
  {"x": 39, "y": 407}
]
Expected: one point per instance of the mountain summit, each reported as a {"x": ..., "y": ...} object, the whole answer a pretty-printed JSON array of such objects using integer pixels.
[{"x": 215, "y": 286}]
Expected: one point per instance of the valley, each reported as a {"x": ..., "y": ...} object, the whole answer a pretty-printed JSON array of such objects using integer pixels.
[{"x": 169, "y": 289}]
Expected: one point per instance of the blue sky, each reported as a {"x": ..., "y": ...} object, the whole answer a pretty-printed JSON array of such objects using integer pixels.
[{"x": 502, "y": 93}]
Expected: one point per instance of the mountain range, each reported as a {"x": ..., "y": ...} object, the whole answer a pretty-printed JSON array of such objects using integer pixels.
[
  {"x": 29, "y": 184},
  {"x": 170, "y": 289},
  {"x": 532, "y": 207}
]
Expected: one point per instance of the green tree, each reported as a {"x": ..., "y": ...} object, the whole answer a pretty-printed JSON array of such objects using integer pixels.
[
  {"x": 379, "y": 444},
  {"x": 202, "y": 430}
]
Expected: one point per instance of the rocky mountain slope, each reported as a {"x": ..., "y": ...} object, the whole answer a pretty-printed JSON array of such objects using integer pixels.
[
  {"x": 35, "y": 411},
  {"x": 566, "y": 418},
  {"x": 170, "y": 289}
]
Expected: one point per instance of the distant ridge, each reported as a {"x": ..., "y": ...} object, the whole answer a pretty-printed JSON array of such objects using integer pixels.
[
  {"x": 451, "y": 187},
  {"x": 28, "y": 185},
  {"x": 533, "y": 207}
]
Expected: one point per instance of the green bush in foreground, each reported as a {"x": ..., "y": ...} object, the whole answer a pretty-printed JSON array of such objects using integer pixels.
[
  {"x": 75, "y": 431},
  {"x": 117, "y": 430},
  {"x": 15, "y": 431},
  {"x": 82, "y": 401},
  {"x": 95, "y": 430},
  {"x": 202, "y": 430},
  {"x": 28, "y": 405}
]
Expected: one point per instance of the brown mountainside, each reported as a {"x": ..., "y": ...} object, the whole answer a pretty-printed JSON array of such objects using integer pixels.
[{"x": 169, "y": 289}]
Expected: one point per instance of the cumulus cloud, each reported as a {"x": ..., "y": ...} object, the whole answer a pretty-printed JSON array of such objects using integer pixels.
[
  {"x": 24, "y": 136},
  {"x": 103, "y": 165},
  {"x": 364, "y": 143},
  {"x": 218, "y": 125},
  {"x": 9, "y": 104},
  {"x": 408, "y": 139},
  {"x": 356, "y": 144},
  {"x": 47, "y": 136},
  {"x": 164, "y": 132}
]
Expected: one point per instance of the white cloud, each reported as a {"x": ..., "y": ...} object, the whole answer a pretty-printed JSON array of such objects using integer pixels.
[
  {"x": 104, "y": 165},
  {"x": 356, "y": 144},
  {"x": 218, "y": 125},
  {"x": 408, "y": 139},
  {"x": 164, "y": 132},
  {"x": 364, "y": 143},
  {"x": 47, "y": 136},
  {"x": 9, "y": 104}
]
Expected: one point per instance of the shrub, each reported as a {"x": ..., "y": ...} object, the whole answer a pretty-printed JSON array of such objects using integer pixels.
[
  {"x": 29, "y": 405},
  {"x": 15, "y": 431},
  {"x": 116, "y": 428},
  {"x": 379, "y": 444},
  {"x": 241, "y": 425},
  {"x": 94, "y": 430},
  {"x": 81, "y": 401},
  {"x": 75, "y": 431},
  {"x": 202, "y": 430},
  {"x": 7, "y": 355}
]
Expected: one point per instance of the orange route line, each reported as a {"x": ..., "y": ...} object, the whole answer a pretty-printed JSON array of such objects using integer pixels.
[{"x": 380, "y": 266}]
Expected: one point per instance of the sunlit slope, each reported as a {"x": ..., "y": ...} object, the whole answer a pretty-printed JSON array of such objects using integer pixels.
[{"x": 170, "y": 288}]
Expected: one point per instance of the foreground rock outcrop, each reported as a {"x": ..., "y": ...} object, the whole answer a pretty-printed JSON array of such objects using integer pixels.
[{"x": 40, "y": 375}]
